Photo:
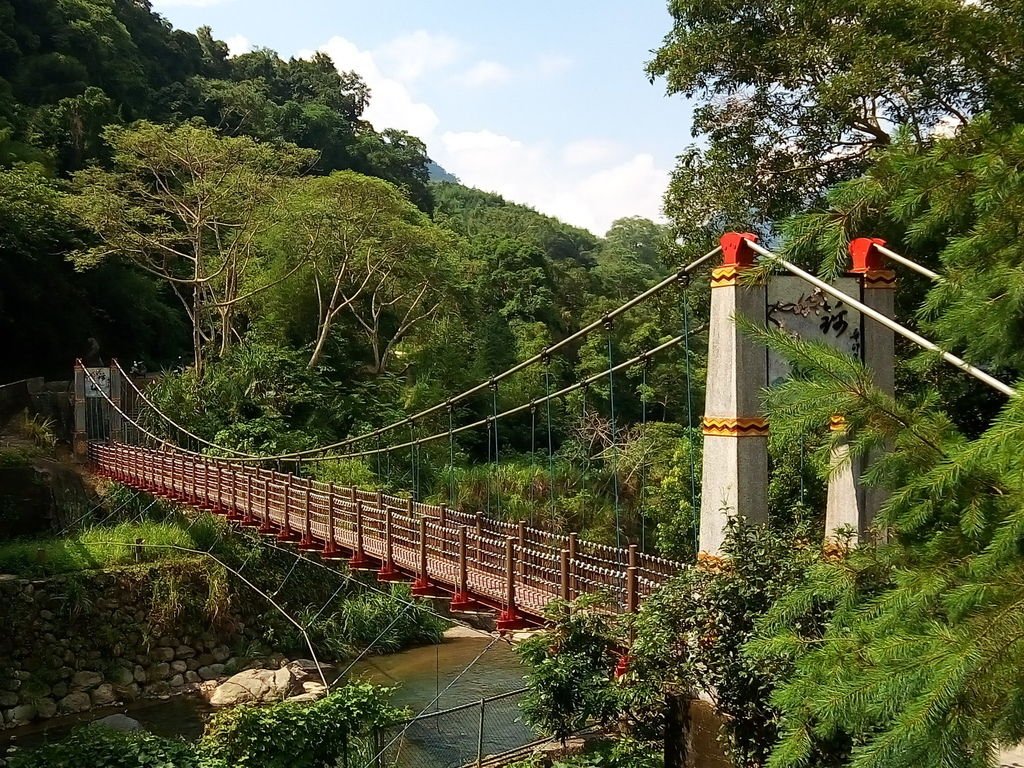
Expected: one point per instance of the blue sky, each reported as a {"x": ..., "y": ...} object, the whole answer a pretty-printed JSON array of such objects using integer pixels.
[{"x": 546, "y": 103}]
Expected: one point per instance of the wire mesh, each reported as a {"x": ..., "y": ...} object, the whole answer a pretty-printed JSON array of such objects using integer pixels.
[{"x": 458, "y": 736}]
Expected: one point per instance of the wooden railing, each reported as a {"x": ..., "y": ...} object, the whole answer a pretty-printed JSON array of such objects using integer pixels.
[{"x": 512, "y": 567}]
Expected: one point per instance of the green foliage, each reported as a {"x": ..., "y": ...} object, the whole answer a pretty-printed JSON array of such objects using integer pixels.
[
  {"x": 99, "y": 547},
  {"x": 619, "y": 753},
  {"x": 690, "y": 636},
  {"x": 807, "y": 92},
  {"x": 354, "y": 625},
  {"x": 571, "y": 667},
  {"x": 99, "y": 747},
  {"x": 923, "y": 628},
  {"x": 336, "y": 730}
]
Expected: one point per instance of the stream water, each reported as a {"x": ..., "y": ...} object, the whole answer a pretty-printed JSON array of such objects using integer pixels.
[{"x": 420, "y": 674}]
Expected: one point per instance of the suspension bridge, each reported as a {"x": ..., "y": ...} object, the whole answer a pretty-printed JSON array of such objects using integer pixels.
[{"x": 513, "y": 568}]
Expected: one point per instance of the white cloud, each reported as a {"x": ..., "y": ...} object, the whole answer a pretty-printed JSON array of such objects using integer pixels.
[
  {"x": 392, "y": 105},
  {"x": 589, "y": 151},
  {"x": 408, "y": 57},
  {"x": 238, "y": 44},
  {"x": 550, "y": 64},
  {"x": 485, "y": 73},
  {"x": 532, "y": 174}
]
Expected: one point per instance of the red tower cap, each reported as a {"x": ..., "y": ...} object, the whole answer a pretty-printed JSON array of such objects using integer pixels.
[
  {"x": 736, "y": 250},
  {"x": 866, "y": 257}
]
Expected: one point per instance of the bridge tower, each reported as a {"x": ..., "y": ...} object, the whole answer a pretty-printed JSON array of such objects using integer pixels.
[{"x": 734, "y": 480}]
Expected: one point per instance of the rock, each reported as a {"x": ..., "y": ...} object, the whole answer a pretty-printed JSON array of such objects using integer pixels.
[
  {"x": 59, "y": 690},
  {"x": 177, "y": 681},
  {"x": 206, "y": 659},
  {"x": 211, "y": 672},
  {"x": 184, "y": 652},
  {"x": 46, "y": 708},
  {"x": 103, "y": 695},
  {"x": 163, "y": 653},
  {"x": 86, "y": 679},
  {"x": 139, "y": 674},
  {"x": 119, "y": 723},
  {"x": 121, "y": 676},
  {"x": 78, "y": 701},
  {"x": 253, "y": 686},
  {"x": 193, "y": 664},
  {"x": 192, "y": 677},
  {"x": 20, "y": 715},
  {"x": 179, "y": 667},
  {"x": 8, "y": 699},
  {"x": 159, "y": 671},
  {"x": 221, "y": 653}
]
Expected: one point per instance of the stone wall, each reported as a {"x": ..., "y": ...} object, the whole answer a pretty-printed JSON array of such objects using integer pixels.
[{"x": 74, "y": 642}]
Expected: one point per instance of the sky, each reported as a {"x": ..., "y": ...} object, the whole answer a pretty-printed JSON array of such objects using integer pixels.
[{"x": 545, "y": 103}]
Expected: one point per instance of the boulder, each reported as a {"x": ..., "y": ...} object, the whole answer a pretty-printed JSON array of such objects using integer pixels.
[
  {"x": 177, "y": 681},
  {"x": 163, "y": 653},
  {"x": 121, "y": 676},
  {"x": 78, "y": 701},
  {"x": 253, "y": 686},
  {"x": 179, "y": 667},
  {"x": 119, "y": 723},
  {"x": 86, "y": 679},
  {"x": 103, "y": 695},
  {"x": 21, "y": 715},
  {"x": 46, "y": 708},
  {"x": 211, "y": 672}
]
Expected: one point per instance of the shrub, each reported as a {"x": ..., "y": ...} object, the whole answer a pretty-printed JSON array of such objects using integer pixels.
[{"x": 98, "y": 747}]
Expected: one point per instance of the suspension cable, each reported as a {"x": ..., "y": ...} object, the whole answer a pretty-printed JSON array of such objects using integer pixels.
[
  {"x": 614, "y": 437},
  {"x": 172, "y": 422},
  {"x": 539, "y": 357}
]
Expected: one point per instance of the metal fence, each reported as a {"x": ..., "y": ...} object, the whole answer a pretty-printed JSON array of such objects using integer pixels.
[{"x": 460, "y": 736}]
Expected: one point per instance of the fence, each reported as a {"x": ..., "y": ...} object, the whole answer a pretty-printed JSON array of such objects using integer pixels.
[{"x": 459, "y": 736}]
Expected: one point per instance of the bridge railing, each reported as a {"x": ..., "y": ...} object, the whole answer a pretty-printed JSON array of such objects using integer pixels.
[{"x": 511, "y": 566}]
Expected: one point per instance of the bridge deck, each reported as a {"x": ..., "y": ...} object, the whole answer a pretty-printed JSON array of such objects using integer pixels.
[{"x": 514, "y": 568}]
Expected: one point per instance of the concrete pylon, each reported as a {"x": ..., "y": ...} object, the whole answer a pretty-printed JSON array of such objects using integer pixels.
[
  {"x": 80, "y": 440},
  {"x": 735, "y": 463},
  {"x": 850, "y": 505}
]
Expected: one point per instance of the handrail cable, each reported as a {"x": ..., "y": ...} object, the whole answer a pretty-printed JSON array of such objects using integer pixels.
[
  {"x": 519, "y": 408},
  {"x": 172, "y": 422},
  {"x": 540, "y": 356},
  {"x": 889, "y": 323},
  {"x": 921, "y": 270}
]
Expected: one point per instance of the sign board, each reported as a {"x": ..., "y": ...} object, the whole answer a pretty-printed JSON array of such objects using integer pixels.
[
  {"x": 97, "y": 382},
  {"x": 811, "y": 314}
]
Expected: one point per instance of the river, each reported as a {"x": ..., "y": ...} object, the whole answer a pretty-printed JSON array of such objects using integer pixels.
[{"x": 421, "y": 675}]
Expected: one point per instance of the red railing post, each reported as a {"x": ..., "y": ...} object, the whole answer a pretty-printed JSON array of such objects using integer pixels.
[
  {"x": 564, "y": 572},
  {"x": 521, "y": 533},
  {"x": 387, "y": 570},
  {"x": 331, "y": 550},
  {"x": 422, "y": 585},
  {"x": 443, "y": 515},
  {"x": 461, "y": 601},
  {"x": 267, "y": 528},
  {"x": 219, "y": 506},
  {"x": 287, "y": 535},
  {"x": 573, "y": 544},
  {"x": 248, "y": 520},
  {"x": 359, "y": 559},
  {"x": 510, "y": 619},
  {"x": 308, "y": 543},
  {"x": 233, "y": 514}
]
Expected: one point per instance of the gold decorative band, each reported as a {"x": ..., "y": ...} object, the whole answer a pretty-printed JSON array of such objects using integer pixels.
[
  {"x": 880, "y": 278},
  {"x": 723, "y": 276},
  {"x": 733, "y": 427},
  {"x": 837, "y": 424}
]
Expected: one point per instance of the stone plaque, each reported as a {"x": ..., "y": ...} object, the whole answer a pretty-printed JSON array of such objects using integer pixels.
[
  {"x": 809, "y": 313},
  {"x": 99, "y": 383}
]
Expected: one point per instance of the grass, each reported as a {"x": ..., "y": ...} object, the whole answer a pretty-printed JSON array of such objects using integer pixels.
[{"x": 103, "y": 547}]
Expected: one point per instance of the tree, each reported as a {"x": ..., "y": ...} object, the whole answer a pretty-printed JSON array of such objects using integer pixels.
[
  {"x": 186, "y": 205},
  {"x": 360, "y": 235},
  {"x": 795, "y": 97},
  {"x": 571, "y": 668}
]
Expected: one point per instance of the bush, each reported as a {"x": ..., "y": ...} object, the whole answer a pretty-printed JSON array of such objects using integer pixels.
[
  {"x": 337, "y": 729},
  {"x": 98, "y": 747}
]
